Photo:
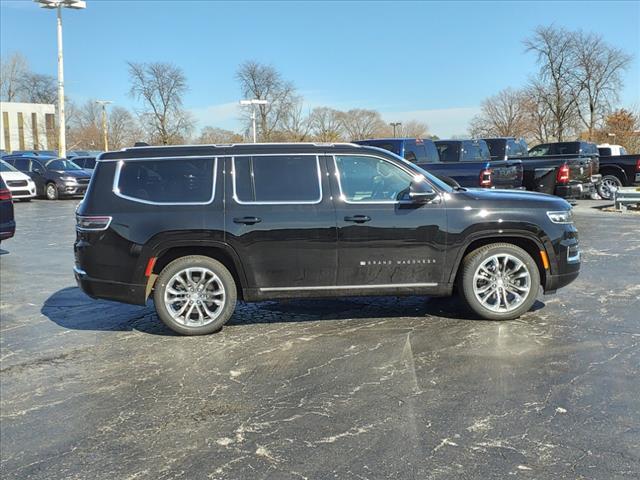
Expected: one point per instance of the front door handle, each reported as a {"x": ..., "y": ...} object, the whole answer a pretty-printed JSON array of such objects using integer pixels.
[
  {"x": 247, "y": 220},
  {"x": 357, "y": 218}
]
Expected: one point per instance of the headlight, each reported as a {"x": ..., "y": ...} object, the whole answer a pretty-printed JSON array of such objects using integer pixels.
[
  {"x": 564, "y": 216},
  {"x": 68, "y": 179}
]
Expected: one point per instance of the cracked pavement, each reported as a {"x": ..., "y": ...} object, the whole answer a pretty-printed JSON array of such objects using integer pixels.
[{"x": 363, "y": 388}]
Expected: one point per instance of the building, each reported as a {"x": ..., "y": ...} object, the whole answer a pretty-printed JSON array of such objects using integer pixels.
[{"x": 27, "y": 126}]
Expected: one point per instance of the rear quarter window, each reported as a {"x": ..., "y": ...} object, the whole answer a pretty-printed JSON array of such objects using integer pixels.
[{"x": 172, "y": 181}]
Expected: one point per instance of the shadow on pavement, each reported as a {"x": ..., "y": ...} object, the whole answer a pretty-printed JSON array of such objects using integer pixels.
[{"x": 72, "y": 309}]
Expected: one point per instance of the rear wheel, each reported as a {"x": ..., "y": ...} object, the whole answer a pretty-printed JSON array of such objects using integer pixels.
[
  {"x": 500, "y": 281},
  {"x": 195, "y": 295},
  {"x": 608, "y": 186},
  {"x": 51, "y": 191}
]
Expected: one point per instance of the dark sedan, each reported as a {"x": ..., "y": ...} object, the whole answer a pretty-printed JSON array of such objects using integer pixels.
[{"x": 7, "y": 222}]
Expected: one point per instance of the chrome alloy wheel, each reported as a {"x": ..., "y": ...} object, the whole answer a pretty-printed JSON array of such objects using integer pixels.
[
  {"x": 609, "y": 186},
  {"x": 501, "y": 283},
  {"x": 194, "y": 297}
]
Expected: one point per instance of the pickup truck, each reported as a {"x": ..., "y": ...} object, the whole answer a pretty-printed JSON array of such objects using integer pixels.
[
  {"x": 618, "y": 171},
  {"x": 457, "y": 162},
  {"x": 565, "y": 169}
]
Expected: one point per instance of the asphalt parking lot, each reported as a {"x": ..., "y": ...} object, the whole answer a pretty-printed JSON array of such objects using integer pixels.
[{"x": 353, "y": 388}]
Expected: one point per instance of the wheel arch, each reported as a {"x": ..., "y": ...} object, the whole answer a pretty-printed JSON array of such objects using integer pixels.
[
  {"x": 528, "y": 242},
  {"x": 616, "y": 171},
  {"x": 165, "y": 253}
]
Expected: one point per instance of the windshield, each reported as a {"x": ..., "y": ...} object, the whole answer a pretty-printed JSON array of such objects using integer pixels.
[
  {"x": 61, "y": 164},
  {"x": 5, "y": 167}
]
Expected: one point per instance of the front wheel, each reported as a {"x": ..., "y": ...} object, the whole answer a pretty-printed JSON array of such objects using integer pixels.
[
  {"x": 608, "y": 186},
  {"x": 500, "y": 281},
  {"x": 195, "y": 295},
  {"x": 51, "y": 191}
]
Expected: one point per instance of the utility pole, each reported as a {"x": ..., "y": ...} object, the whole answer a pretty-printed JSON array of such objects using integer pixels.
[
  {"x": 59, "y": 5},
  {"x": 394, "y": 125},
  {"x": 105, "y": 130},
  {"x": 253, "y": 102}
]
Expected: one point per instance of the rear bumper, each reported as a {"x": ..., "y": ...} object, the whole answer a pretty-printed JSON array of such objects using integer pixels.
[
  {"x": 7, "y": 230},
  {"x": 109, "y": 290},
  {"x": 575, "y": 190}
]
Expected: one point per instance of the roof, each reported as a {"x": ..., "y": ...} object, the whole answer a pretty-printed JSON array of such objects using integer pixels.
[{"x": 232, "y": 149}]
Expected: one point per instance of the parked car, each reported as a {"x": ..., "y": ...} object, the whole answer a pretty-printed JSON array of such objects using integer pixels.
[
  {"x": 416, "y": 150},
  {"x": 86, "y": 163},
  {"x": 456, "y": 162},
  {"x": 36, "y": 153},
  {"x": 618, "y": 171},
  {"x": 54, "y": 177},
  {"x": 7, "y": 221},
  {"x": 469, "y": 163},
  {"x": 607, "y": 150},
  {"x": 198, "y": 227},
  {"x": 73, "y": 154},
  {"x": 505, "y": 148},
  {"x": 21, "y": 185},
  {"x": 576, "y": 178}
]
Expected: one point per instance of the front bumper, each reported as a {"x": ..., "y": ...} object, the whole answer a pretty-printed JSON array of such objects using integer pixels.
[
  {"x": 23, "y": 192},
  {"x": 109, "y": 290},
  {"x": 71, "y": 189}
]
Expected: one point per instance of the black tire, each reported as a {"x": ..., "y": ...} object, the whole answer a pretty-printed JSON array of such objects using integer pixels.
[
  {"x": 51, "y": 191},
  {"x": 606, "y": 184},
  {"x": 195, "y": 261},
  {"x": 472, "y": 262}
]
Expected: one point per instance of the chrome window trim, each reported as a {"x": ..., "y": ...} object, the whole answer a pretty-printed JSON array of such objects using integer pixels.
[
  {"x": 116, "y": 180},
  {"x": 348, "y": 287},
  {"x": 277, "y": 202},
  {"x": 343, "y": 197}
]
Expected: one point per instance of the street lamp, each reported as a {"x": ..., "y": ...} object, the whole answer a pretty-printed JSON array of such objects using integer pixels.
[
  {"x": 394, "y": 125},
  {"x": 59, "y": 5},
  {"x": 254, "y": 102},
  {"x": 104, "y": 104}
]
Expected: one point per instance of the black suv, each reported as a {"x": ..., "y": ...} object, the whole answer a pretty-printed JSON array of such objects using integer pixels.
[{"x": 199, "y": 227}]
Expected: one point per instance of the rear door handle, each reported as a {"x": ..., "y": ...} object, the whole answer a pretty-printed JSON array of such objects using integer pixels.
[
  {"x": 357, "y": 219},
  {"x": 247, "y": 220}
]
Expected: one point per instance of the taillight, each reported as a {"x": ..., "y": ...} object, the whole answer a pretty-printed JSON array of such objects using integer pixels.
[
  {"x": 485, "y": 178},
  {"x": 92, "y": 224},
  {"x": 563, "y": 174},
  {"x": 5, "y": 194},
  {"x": 638, "y": 165}
]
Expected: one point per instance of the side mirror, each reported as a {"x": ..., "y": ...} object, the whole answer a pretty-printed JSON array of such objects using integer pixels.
[{"x": 421, "y": 192}]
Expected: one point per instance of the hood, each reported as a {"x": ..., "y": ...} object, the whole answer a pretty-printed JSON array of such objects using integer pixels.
[
  {"x": 73, "y": 173},
  {"x": 14, "y": 176},
  {"x": 490, "y": 198}
]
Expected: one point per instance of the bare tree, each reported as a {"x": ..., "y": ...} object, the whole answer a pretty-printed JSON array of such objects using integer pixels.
[
  {"x": 325, "y": 124},
  {"x": 213, "y": 135},
  {"x": 502, "y": 115},
  {"x": 264, "y": 82},
  {"x": 295, "y": 126},
  {"x": 12, "y": 71},
  {"x": 554, "y": 48},
  {"x": 124, "y": 130},
  {"x": 360, "y": 124},
  {"x": 414, "y": 129},
  {"x": 38, "y": 88},
  {"x": 161, "y": 87},
  {"x": 596, "y": 78},
  {"x": 540, "y": 120}
]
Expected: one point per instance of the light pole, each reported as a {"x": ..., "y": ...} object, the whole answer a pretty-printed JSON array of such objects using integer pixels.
[
  {"x": 394, "y": 125},
  {"x": 105, "y": 134},
  {"x": 59, "y": 5},
  {"x": 254, "y": 102}
]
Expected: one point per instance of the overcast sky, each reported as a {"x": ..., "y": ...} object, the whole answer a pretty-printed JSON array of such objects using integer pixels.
[{"x": 430, "y": 61}]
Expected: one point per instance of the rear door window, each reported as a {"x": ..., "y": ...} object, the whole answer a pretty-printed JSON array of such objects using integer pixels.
[
  {"x": 277, "y": 179},
  {"x": 171, "y": 181},
  {"x": 21, "y": 164},
  {"x": 448, "y": 151}
]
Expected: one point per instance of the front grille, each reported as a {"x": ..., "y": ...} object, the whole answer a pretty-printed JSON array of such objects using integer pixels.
[
  {"x": 19, "y": 193},
  {"x": 17, "y": 183},
  {"x": 83, "y": 181}
]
